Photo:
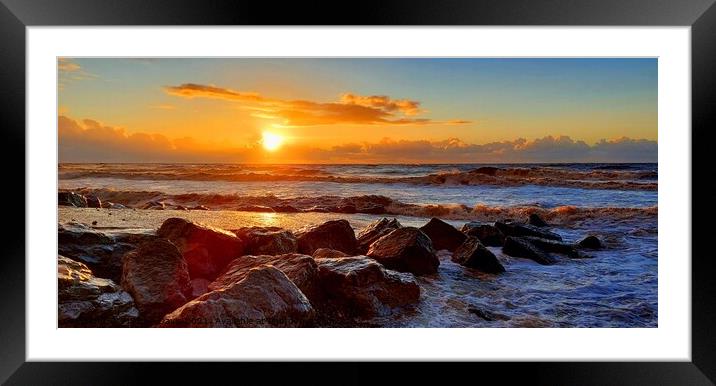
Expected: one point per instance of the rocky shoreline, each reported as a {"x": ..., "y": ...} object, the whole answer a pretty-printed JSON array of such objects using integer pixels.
[{"x": 187, "y": 274}]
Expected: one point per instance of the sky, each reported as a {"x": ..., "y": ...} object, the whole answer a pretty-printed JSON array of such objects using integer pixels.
[{"x": 357, "y": 110}]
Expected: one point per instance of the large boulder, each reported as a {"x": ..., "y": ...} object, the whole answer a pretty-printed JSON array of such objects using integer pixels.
[
  {"x": 522, "y": 247},
  {"x": 361, "y": 287},
  {"x": 156, "y": 276},
  {"x": 88, "y": 301},
  {"x": 590, "y": 242},
  {"x": 264, "y": 298},
  {"x": 102, "y": 253},
  {"x": 473, "y": 254},
  {"x": 267, "y": 240},
  {"x": 443, "y": 235},
  {"x": 517, "y": 229},
  {"x": 71, "y": 199},
  {"x": 406, "y": 249},
  {"x": 374, "y": 231},
  {"x": 537, "y": 221},
  {"x": 324, "y": 253},
  {"x": 207, "y": 250},
  {"x": 300, "y": 269},
  {"x": 335, "y": 234},
  {"x": 556, "y": 246},
  {"x": 488, "y": 234}
]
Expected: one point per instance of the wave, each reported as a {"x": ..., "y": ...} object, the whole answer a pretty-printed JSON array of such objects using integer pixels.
[
  {"x": 611, "y": 177},
  {"x": 369, "y": 204}
]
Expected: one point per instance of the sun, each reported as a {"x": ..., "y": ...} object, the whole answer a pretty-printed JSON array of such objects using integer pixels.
[{"x": 271, "y": 141}]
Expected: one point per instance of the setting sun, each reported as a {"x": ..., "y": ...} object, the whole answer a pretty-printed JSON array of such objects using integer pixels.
[{"x": 271, "y": 141}]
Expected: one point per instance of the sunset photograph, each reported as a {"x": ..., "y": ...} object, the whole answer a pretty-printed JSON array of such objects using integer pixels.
[{"x": 458, "y": 192}]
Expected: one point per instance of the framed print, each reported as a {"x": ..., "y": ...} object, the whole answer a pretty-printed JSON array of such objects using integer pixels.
[{"x": 474, "y": 182}]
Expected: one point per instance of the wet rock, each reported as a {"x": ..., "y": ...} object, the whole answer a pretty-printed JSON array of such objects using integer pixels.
[
  {"x": 93, "y": 202},
  {"x": 374, "y": 231},
  {"x": 88, "y": 301},
  {"x": 487, "y": 315},
  {"x": 517, "y": 229},
  {"x": 285, "y": 209},
  {"x": 591, "y": 242},
  {"x": 207, "y": 250},
  {"x": 156, "y": 205},
  {"x": 360, "y": 286},
  {"x": 156, "y": 276},
  {"x": 264, "y": 298},
  {"x": 267, "y": 240},
  {"x": 100, "y": 252},
  {"x": 347, "y": 208},
  {"x": 487, "y": 170},
  {"x": 521, "y": 247},
  {"x": 300, "y": 269},
  {"x": 324, "y": 253},
  {"x": 555, "y": 246},
  {"x": 199, "y": 286},
  {"x": 372, "y": 209},
  {"x": 335, "y": 234},
  {"x": 443, "y": 235},
  {"x": 71, "y": 199},
  {"x": 406, "y": 249},
  {"x": 537, "y": 221},
  {"x": 255, "y": 208},
  {"x": 488, "y": 234},
  {"x": 473, "y": 254}
]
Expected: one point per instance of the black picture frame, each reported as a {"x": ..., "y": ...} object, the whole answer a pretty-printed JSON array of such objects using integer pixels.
[{"x": 16, "y": 15}]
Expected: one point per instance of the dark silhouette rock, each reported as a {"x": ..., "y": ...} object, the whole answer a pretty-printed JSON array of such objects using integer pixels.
[
  {"x": 556, "y": 246},
  {"x": 406, "y": 249},
  {"x": 521, "y": 247},
  {"x": 443, "y": 235},
  {"x": 207, "y": 250},
  {"x": 323, "y": 253},
  {"x": 267, "y": 240},
  {"x": 537, "y": 221},
  {"x": 265, "y": 297},
  {"x": 300, "y": 269},
  {"x": 88, "y": 301},
  {"x": 156, "y": 276},
  {"x": 335, "y": 234},
  {"x": 71, "y": 199},
  {"x": 517, "y": 229},
  {"x": 374, "y": 231},
  {"x": 488, "y": 234},
  {"x": 473, "y": 254},
  {"x": 361, "y": 287},
  {"x": 591, "y": 242}
]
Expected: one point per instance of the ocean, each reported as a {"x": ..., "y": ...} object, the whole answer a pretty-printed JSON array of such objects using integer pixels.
[{"x": 616, "y": 202}]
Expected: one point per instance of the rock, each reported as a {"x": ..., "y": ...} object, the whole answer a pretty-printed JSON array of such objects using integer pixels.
[
  {"x": 326, "y": 253},
  {"x": 199, "y": 207},
  {"x": 590, "y": 242},
  {"x": 267, "y": 240},
  {"x": 406, "y": 249},
  {"x": 100, "y": 252},
  {"x": 443, "y": 235},
  {"x": 537, "y": 221},
  {"x": 180, "y": 207},
  {"x": 88, "y": 301},
  {"x": 347, "y": 208},
  {"x": 335, "y": 234},
  {"x": 207, "y": 250},
  {"x": 199, "y": 286},
  {"x": 112, "y": 205},
  {"x": 487, "y": 315},
  {"x": 71, "y": 199},
  {"x": 555, "y": 246},
  {"x": 488, "y": 235},
  {"x": 372, "y": 209},
  {"x": 488, "y": 170},
  {"x": 300, "y": 269},
  {"x": 264, "y": 298},
  {"x": 93, "y": 202},
  {"x": 255, "y": 208},
  {"x": 156, "y": 276},
  {"x": 473, "y": 254},
  {"x": 517, "y": 229},
  {"x": 374, "y": 231},
  {"x": 360, "y": 286},
  {"x": 157, "y": 205},
  {"x": 521, "y": 247}
]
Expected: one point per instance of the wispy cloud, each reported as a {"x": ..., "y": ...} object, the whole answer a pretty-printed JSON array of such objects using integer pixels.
[
  {"x": 349, "y": 109},
  {"x": 70, "y": 71}
]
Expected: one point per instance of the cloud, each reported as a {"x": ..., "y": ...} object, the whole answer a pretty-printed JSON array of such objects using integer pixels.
[
  {"x": 91, "y": 141},
  {"x": 70, "y": 71},
  {"x": 350, "y": 109}
]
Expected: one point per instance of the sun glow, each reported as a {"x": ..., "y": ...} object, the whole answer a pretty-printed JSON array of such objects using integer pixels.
[{"x": 271, "y": 141}]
